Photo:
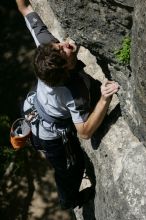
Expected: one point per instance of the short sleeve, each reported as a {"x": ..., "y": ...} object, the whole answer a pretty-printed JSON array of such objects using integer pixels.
[
  {"x": 79, "y": 103},
  {"x": 79, "y": 113}
]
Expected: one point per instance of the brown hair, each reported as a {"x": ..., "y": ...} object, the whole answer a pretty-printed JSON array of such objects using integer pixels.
[{"x": 49, "y": 65}]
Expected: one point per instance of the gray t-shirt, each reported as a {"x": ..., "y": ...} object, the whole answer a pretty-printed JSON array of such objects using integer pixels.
[{"x": 57, "y": 102}]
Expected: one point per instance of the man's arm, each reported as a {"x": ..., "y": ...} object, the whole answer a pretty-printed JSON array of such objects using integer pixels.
[
  {"x": 23, "y": 7},
  {"x": 86, "y": 129},
  {"x": 34, "y": 23}
]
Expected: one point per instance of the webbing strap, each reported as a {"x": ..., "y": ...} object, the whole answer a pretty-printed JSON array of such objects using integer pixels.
[{"x": 48, "y": 118}]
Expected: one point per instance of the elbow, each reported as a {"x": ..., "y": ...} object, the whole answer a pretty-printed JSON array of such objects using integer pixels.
[
  {"x": 84, "y": 132},
  {"x": 85, "y": 136}
]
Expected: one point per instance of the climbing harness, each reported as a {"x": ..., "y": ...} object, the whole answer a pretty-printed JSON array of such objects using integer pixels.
[{"x": 63, "y": 127}]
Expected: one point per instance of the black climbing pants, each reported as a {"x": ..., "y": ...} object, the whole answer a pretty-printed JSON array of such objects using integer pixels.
[{"x": 68, "y": 164}]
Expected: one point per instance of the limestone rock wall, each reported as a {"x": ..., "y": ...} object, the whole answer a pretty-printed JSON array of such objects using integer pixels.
[
  {"x": 138, "y": 64},
  {"x": 120, "y": 172},
  {"x": 117, "y": 149}
]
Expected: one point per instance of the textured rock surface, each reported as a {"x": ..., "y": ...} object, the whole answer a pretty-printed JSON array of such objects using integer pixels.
[
  {"x": 129, "y": 3},
  {"x": 119, "y": 164},
  {"x": 138, "y": 64},
  {"x": 117, "y": 154}
]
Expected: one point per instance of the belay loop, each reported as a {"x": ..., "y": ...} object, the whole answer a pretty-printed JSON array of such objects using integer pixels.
[{"x": 64, "y": 137}]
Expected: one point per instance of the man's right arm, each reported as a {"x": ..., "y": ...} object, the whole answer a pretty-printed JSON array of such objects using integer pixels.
[
  {"x": 34, "y": 23},
  {"x": 86, "y": 129}
]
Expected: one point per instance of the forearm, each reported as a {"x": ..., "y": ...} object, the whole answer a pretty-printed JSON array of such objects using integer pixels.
[
  {"x": 95, "y": 119},
  {"x": 23, "y": 7}
]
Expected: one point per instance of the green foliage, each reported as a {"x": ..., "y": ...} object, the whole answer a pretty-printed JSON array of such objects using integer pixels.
[
  {"x": 6, "y": 154},
  {"x": 123, "y": 54},
  {"x": 6, "y": 157},
  {"x": 19, "y": 159},
  {"x": 4, "y": 121}
]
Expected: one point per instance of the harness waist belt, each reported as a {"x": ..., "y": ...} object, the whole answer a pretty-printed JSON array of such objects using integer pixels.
[{"x": 60, "y": 122}]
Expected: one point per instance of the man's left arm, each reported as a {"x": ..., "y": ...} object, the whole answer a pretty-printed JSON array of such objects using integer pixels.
[{"x": 34, "y": 23}]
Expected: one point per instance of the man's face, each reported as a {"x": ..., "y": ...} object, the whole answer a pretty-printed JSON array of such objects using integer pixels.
[{"x": 67, "y": 50}]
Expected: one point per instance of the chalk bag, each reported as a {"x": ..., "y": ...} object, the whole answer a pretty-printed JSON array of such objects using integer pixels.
[{"x": 20, "y": 132}]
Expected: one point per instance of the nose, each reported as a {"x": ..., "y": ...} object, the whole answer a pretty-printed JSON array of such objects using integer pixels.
[{"x": 63, "y": 46}]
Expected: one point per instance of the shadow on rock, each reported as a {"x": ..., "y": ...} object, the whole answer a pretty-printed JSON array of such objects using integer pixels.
[
  {"x": 90, "y": 193},
  {"x": 105, "y": 126}
]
